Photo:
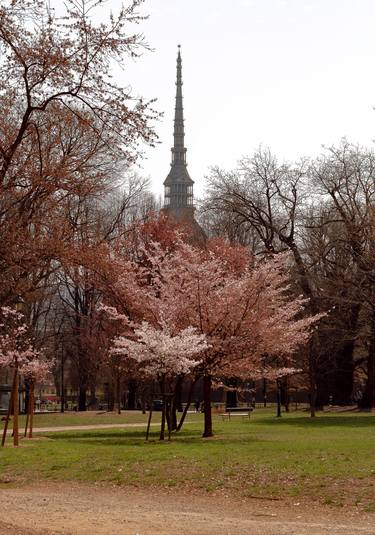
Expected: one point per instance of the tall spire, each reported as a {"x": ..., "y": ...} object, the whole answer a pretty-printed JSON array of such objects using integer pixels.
[
  {"x": 178, "y": 191},
  {"x": 179, "y": 151}
]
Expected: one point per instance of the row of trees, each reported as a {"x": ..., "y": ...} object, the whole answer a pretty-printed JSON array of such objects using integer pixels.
[
  {"x": 321, "y": 211},
  {"x": 67, "y": 135}
]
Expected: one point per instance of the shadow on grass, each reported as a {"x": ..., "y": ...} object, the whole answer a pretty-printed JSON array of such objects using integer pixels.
[
  {"x": 138, "y": 438},
  {"x": 119, "y": 438},
  {"x": 320, "y": 421}
]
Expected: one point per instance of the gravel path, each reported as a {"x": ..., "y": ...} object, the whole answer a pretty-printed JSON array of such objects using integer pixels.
[{"x": 76, "y": 509}]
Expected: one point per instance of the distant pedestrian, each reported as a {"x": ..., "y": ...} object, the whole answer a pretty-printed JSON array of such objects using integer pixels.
[{"x": 197, "y": 405}]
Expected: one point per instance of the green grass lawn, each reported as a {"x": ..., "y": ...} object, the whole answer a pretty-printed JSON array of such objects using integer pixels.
[
  {"x": 88, "y": 418},
  {"x": 330, "y": 458}
]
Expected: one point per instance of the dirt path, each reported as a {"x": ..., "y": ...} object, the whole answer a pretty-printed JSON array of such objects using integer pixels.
[
  {"x": 90, "y": 427},
  {"x": 72, "y": 509}
]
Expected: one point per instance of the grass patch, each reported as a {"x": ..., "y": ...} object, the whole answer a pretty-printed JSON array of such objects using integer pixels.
[
  {"x": 88, "y": 418},
  {"x": 329, "y": 457}
]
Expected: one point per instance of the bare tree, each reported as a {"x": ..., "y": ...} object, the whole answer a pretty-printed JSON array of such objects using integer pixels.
[
  {"x": 346, "y": 175},
  {"x": 64, "y": 125},
  {"x": 269, "y": 197}
]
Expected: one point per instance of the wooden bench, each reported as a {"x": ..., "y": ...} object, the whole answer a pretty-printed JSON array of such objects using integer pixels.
[{"x": 244, "y": 412}]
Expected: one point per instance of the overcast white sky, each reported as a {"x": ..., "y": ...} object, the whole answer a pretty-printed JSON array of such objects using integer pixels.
[{"x": 290, "y": 74}]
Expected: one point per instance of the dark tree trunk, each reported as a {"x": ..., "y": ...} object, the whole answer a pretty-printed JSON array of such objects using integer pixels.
[
  {"x": 188, "y": 402},
  {"x": 231, "y": 395},
  {"x": 344, "y": 376},
  {"x": 278, "y": 397},
  {"x": 178, "y": 394},
  {"x": 285, "y": 393},
  {"x": 264, "y": 392},
  {"x": 307, "y": 288},
  {"x": 92, "y": 400},
  {"x": 164, "y": 408},
  {"x": 207, "y": 406},
  {"x": 118, "y": 391},
  {"x": 62, "y": 385},
  {"x": 368, "y": 398},
  {"x": 312, "y": 377},
  {"x": 163, "y": 419},
  {"x": 82, "y": 398},
  {"x": 27, "y": 396},
  {"x": 173, "y": 417},
  {"x": 111, "y": 398},
  {"x": 176, "y": 403},
  {"x": 325, "y": 382},
  {"x": 132, "y": 394}
]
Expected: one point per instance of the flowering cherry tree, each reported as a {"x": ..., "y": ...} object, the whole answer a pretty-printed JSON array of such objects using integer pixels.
[
  {"x": 18, "y": 353},
  {"x": 244, "y": 308},
  {"x": 162, "y": 354}
]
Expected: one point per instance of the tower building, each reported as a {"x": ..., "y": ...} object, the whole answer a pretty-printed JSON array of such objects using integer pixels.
[{"x": 178, "y": 186}]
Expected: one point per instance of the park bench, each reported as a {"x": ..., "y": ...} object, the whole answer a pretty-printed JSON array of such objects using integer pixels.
[{"x": 244, "y": 412}]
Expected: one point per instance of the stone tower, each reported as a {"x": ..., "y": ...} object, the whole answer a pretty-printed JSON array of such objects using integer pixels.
[{"x": 178, "y": 186}]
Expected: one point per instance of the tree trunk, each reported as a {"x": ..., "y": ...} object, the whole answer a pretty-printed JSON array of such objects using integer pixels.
[
  {"x": 82, "y": 398},
  {"x": 118, "y": 391},
  {"x": 312, "y": 378},
  {"x": 149, "y": 422},
  {"x": 325, "y": 382},
  {"x": 173, "y": 415},
  {"x": 164, "y": 409},
  {"x": 231, "y": 395},
  {"x": 132, "y": 393},
  {"x": 16, "y": 407},
  {"x": 188, "y": 402},
  {"x": 62, "y": 386},
  {"x": 26, "y": 385},
  {"x": 163, "y": 418},
  {"x": 278, "y": 397},
  {"x": 285, "y": 393},
  {"x": 307, "y": 288},
  {"x": 344, "y": 376},
  {"x": 264, "y": 393},
  {"x": 178, "y": 394},
  {"x": 176, "y": 404},
  {"x": 368, "y": 398},
  {"x": 32, "y": 390},
  {"x": 93, "y": 401},
  {"x": 207, "y": 406}
]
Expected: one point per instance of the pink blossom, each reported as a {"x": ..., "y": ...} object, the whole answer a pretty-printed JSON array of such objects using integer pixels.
[{"x": 159, "y": 352}]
